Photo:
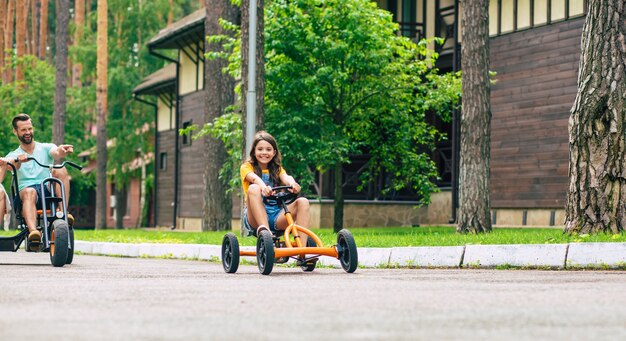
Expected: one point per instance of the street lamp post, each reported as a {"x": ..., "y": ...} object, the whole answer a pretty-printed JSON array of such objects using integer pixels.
[{"x": 251, "y": 94}]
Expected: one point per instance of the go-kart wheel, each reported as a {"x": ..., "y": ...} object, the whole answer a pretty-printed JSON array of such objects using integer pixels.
[
  {"x": 59, "y": 242},
  {"x": 265, "y": 252},
  {"x": 346, "y": 248},
  {"x": 70, "y": 252},
  {"x": 230, "y": 253},
  {"x": 310, "y": 265}
]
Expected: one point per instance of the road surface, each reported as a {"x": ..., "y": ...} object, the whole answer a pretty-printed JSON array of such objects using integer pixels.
[{"x": 109, "y": 298}]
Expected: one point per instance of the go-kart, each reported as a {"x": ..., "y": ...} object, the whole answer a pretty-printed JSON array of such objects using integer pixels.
[
  {"x": 57, "y": 236},
  {"x": 280, "y": 246}
]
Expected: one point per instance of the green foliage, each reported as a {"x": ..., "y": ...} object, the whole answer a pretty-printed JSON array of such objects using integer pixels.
[
  {"x": 230, "y": 49},
  {"x": 131, "y": 24},
  {"x": 340, "y": 81}
]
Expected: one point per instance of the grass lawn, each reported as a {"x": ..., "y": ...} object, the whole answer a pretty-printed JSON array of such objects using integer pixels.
[{"x": 365, "y": 237}]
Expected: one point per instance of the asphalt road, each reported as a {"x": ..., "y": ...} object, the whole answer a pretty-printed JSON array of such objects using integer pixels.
[{"x": 107, "y": 298}]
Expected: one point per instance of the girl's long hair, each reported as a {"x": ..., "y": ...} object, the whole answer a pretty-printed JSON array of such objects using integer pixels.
[{"x": 275, "y": 163}]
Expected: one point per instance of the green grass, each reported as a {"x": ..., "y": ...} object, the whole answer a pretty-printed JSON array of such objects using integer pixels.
[{"x": 365, "y": 237}]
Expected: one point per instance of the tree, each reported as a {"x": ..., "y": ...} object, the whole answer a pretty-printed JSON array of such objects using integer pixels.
[
  {"x": 597, "y": 185},
  {"x": 60, "y": 85},
  {"x": 3, "y": 9},
  {"x": 8, "y": 41},
  {"x": 474, "y": 206},
  {"x": 43, "y": 29},
  {"x": 79, "y": 21},
  {"x": 219, "y": 92},
  {"x": 32, "y": 44},
  {"x": 101, "y": 108},
  {"x": 339, "y": 82},
  {"x": 21, "y": 14}
]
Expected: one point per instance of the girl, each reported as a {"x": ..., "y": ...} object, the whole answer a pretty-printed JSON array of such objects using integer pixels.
[{"x": 258, "y": 175}]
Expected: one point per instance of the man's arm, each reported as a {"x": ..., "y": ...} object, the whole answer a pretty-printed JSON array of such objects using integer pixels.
[
  {"x": 3, "y": 168},
  {"x": 61, "y": 151}
]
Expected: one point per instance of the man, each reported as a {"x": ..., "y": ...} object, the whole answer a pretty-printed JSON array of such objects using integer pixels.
[{"x": 30, "y": 175}]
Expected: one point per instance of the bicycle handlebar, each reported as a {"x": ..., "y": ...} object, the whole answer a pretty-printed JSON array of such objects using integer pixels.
[{"x": 30, "y": 158}]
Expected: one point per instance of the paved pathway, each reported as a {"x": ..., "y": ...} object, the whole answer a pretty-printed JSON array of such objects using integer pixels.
[{"x": 112, "y": 298}]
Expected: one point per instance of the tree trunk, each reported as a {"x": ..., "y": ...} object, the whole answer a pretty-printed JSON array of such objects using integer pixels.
[
  {"x": 338, "y": 189},
  {"x": 27, "y": 31},
  {"x": 32, "y": 43},
  {"x": 43, "y": 29},
  {"x": 20, "y": 36},
  {"x": 475, "y": 121},
  {"x": 8, "y": 41},
  {"x": 597, "y": 172},
  {"x": 3, "y": 15},
  {"x": 60, "y": 82},
  {"x": 79, "y": 21},
  {"x": 101, "y": 107},
  {"x": 170, "y": 14},
  {"x": 260, "y": 65},
  {"x": 219, "y": 92}
]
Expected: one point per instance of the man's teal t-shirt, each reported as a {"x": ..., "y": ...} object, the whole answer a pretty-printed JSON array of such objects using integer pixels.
[{"x": 31, "y": 173}]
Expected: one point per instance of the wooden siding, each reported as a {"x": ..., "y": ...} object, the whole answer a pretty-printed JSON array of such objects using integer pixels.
[
  {"x": 535, "y": 89},
  {"x": 192, "y": 159},
  {"x": 165, "y": 179}
]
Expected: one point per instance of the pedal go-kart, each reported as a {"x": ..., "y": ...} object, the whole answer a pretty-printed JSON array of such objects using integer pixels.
[
  {"x": 280, "y": 246},
  {"x": 57, "y": 236}
]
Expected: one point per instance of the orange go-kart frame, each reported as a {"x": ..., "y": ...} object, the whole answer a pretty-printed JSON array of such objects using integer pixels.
[{"x": 276, "y": 246}]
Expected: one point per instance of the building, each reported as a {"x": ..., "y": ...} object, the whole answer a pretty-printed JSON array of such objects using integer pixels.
[
  {"x": 534, "y": 48},
  {"x": 176, "y": 94},
  {"x": 129, "y": 201}
]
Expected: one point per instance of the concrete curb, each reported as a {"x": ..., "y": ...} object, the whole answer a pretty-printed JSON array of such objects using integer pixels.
[
  {"x": 427, "y": 256},
  {"x": 518, "y": 255},
  {"x": 596, "y": 255},
  {"x": 556, "y": 256}
]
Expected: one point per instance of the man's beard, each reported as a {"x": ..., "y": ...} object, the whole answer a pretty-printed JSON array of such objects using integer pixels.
[{"x": 27, "y": 141}]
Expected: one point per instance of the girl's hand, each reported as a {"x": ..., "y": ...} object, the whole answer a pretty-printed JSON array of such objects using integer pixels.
[
  {"x": 295, "y": 187},
  {"x": 266, "y": 190}
]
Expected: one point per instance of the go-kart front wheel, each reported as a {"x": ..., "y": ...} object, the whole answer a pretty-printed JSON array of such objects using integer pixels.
[
  {"x": 265, "y": 252},
  {"x": 346, "y": 248},
  {"x": 230, "y": 253},
  {"x": 59, "y": 242}
]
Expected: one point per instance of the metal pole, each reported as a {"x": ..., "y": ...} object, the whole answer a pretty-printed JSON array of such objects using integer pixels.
[{"x": 251, "y": 94}]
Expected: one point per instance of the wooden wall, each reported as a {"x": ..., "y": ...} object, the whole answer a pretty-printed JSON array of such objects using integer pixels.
[
  {"x": 192, "y": 159},
  {"x": 165, "y": 179},
  {"x": 536, "y": 87}
]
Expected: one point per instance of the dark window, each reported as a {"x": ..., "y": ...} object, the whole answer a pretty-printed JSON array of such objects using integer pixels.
[
  {"x": 187, "y": 137},
  {"x": 163, "y": 161}
]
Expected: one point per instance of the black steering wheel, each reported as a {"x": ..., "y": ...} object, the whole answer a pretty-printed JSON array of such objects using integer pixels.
[{"x": 281, "y": 196}]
